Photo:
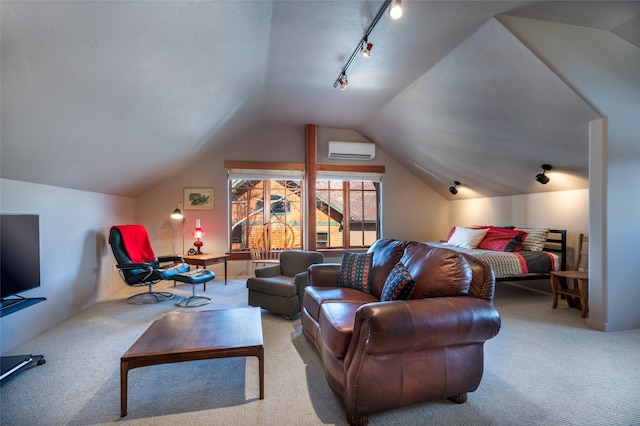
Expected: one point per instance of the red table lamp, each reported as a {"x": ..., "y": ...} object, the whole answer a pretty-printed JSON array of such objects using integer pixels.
[{"x": 198, "y": 233}]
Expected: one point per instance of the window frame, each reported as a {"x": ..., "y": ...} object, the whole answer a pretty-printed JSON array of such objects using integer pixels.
[{"x": 309, "y": 170}]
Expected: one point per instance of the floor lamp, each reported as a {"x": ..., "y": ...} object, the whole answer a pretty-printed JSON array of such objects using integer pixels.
[{"x": 177, "y": 215}]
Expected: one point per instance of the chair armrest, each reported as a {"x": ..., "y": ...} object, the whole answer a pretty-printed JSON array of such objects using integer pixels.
[
  {"x": 131, "y": 266},
  {"x": 146, "y": 267},
  {"x": 268, "y": 271},
  {"x": 324, "y": 274},
  {"x": 301, "y": 281},
  {"x": 171, "y": 258},
  {"x": 415, "y": 325}
]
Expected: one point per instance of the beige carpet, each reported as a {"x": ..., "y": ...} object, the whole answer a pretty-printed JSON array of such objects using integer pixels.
[{"x": 545, "y": 367}]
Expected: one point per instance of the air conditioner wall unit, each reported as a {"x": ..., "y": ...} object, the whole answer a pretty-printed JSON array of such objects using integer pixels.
[{"x": 352, "y": 150}]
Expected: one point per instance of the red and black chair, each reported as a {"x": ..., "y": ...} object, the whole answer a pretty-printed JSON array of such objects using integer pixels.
[{"x": 139, "y": 266}]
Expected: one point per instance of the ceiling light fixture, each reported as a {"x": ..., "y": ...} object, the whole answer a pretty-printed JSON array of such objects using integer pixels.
[
  {"x": 363, "y": 45},
  {"x": 452, "y": 189},
  {"x": 395, "y": 9},
  {"x": 344, "y": 83},
  {"x": 541, "y": 177},
  {"x": 366, "y": 48}
]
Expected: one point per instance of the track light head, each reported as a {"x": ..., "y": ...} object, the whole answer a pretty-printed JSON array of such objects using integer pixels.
[
  {"x": 395, "y": 9},
  {"x": 452, "y": 189},
  {"x": 344, "y": 83},
  {"x": 366, "y": 48},
  {"x": 542, "y": 177}
]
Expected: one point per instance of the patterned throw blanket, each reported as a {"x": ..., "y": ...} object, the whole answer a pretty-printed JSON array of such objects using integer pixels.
[{"x": 512, "y": 264}]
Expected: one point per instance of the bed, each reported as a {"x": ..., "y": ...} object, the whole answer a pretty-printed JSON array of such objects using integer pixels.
[{"x": 522, "y": 264}]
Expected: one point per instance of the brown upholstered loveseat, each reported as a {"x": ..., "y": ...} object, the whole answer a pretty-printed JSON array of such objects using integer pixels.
[{"x": 380, "y": 356}]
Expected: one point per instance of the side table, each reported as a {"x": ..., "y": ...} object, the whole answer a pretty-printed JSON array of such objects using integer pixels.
[{"x": 205, "y": 260}]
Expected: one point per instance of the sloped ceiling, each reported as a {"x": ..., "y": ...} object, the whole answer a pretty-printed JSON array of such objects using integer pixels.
[{"x": 114, "y": 97}]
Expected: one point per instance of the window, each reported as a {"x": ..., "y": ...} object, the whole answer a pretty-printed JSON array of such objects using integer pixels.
[
  {"x": 347, "y": 205},
  {"x": 249, "y": 212},
  {"x": 353, "y": 199}
]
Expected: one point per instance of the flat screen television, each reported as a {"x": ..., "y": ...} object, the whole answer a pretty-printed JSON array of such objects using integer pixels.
[{"x": 19, "y": 254}]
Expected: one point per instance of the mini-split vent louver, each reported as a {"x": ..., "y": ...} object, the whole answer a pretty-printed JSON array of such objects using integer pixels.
[{"x": 351, "y": 150}]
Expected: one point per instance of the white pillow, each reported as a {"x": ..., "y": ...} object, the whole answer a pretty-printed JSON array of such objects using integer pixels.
[{"x": 467, "y": 237}]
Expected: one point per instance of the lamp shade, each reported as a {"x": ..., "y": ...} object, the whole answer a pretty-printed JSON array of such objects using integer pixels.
[
  {"x": 198, "y": 232},
  {"x": 177, "y": 213}
]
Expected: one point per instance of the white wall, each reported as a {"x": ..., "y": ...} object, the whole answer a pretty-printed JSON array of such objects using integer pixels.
[
  {"x": 567, "y": 210},
  {"x": 75, "y": 259},
  {"x": 411, "y": 210}
]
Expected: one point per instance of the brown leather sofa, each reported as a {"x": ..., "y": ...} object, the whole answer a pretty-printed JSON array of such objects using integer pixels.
[{"x": 379, "y": 356}]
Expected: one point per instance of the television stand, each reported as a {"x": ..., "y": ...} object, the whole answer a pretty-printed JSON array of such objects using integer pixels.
[
  {"x": 10, "y": 306},
  {"x": 10, "y": 365}
]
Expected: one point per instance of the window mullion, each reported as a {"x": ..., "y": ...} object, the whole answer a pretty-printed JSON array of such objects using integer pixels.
[{"x": 346, "y": 225}]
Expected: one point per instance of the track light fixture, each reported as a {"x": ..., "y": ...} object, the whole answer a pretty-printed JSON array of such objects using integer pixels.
[
  {"x": 395, "y": 9},
  {"x": 364, "y": 46},
  {"x": 452, "y": 189},
  {"x": 344, "y": 83},
  {"x": 541, "y": 177}
]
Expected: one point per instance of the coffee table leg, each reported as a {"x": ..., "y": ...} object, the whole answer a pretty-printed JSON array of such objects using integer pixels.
[
  {"x": 261, "y": 371},
  {"x": 124, "y": 371}
]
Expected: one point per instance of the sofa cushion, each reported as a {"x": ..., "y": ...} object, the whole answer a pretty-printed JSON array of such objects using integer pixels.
[
  {"x": 355, "y": 271},
  {"x": 437, "y": 271},
  {"x": 314, "y": 297},
  {"x": 386, "y": 253},
  {"x": 336, "y": 325},
  {"x": 399, "y": 284},
  {"x": 278, "y": 285}
]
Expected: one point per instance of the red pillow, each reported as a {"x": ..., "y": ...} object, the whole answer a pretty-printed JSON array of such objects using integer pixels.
[{"x": 500, "y": 239}]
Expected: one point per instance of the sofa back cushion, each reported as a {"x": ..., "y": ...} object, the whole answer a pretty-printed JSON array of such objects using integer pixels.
[
  {"x": 386, "y": 253},
  {"x": 437, "y": 271},
  {"x": 483, "y": 281}
]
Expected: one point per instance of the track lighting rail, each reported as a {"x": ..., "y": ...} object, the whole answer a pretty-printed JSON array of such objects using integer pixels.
[{"x": 343, "y": 74}]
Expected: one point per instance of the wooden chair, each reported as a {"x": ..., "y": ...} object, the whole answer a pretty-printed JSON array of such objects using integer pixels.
[
  {"x": 274, "y": 238},
  {"x": 578, "y": 295}
]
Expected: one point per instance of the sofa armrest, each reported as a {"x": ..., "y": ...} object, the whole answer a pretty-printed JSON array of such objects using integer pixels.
[
  {"x": 268, "y": 271},
  {"x": 324, "y": 274},
  {"x": 415, "y": 325}
]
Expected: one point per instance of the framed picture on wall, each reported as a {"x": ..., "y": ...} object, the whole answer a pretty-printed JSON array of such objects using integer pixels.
[{"x": 198, "y": 199}]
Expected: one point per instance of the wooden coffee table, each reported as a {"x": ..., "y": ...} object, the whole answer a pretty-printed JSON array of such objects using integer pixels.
[{"x": 189, "y": 336}]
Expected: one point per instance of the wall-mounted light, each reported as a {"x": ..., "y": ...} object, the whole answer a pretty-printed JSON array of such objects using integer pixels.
[
  {"x": 366, "y": 48},
  {"x": 452, "y": 189},
  {"x": 395, "y": 9},
  {"x": 542, "y": 177}
]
